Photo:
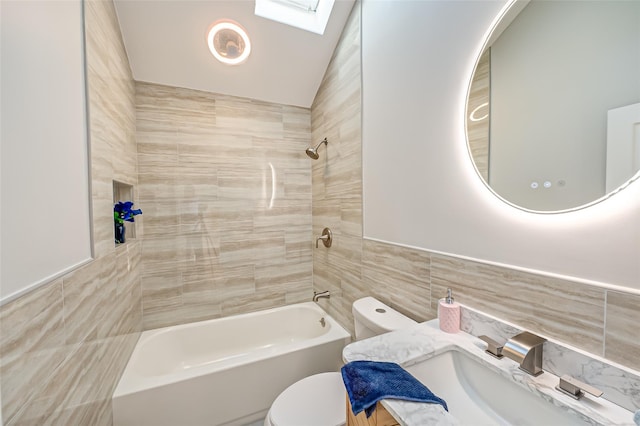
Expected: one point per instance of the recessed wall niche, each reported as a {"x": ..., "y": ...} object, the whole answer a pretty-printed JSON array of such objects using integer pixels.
[{"x": 124, "y": 192}]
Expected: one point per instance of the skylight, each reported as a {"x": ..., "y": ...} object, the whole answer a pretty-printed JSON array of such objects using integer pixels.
[{"x": 308, "y": 15}]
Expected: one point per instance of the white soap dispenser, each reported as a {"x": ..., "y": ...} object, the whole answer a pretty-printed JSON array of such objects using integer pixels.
[{"x": 449, "y": 314}]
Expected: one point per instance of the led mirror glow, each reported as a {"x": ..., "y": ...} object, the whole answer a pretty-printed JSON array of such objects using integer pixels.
[
  {"x": 527, "y": 117},
  {"x": 228, "y": 42}
]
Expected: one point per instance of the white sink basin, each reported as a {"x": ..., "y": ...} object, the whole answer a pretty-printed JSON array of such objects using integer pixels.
[{"x": 477, "y": 395}]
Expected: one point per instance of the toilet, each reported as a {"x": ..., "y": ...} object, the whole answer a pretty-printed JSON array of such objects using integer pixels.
[{"x": 319, "y": 400}]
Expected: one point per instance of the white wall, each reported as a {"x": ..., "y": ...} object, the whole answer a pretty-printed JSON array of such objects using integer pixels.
[
  {"x": 555, "y": 72},
  {"x": 44, "y": 175},
  {"x": 420, "y": 188}
]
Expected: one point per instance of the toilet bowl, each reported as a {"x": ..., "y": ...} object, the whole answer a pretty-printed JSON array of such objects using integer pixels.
[{"x": 319, "y": 400}]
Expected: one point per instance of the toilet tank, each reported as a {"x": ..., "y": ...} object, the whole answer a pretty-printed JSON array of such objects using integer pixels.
[{"x": 372, "y": 317}]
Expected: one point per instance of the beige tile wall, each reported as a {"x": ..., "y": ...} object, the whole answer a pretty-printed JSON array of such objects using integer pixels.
[
  {"x": 600, "y": 321},
  {"x": 337, "y": 176},
  {"x": 353, "y": 267},
  {"x": 622, "y": 338},
  {"x": 226, "y": 188},
  {"x": 64, "y": 346}
]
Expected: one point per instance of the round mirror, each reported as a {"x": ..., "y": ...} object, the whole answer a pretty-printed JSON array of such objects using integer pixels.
[{"x": 553, "y": 109}]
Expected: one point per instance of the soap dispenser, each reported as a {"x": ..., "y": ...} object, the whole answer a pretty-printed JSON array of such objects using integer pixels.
[{"x": 449, "y": 314}]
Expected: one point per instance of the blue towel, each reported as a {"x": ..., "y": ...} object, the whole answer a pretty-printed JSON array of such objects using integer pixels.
[{"x": 368, "y": 382}]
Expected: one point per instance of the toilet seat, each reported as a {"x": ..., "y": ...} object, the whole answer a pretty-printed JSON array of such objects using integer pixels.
[{"x": 317, "y": 400}]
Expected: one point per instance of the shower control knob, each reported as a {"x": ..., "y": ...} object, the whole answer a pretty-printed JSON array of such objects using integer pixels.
[{"x": 326, "y": 238}]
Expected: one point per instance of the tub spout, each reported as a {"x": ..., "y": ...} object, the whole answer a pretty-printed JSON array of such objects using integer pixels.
[
  {"x": 322, "y": 295},
  {"x": 526, "y": 349}
]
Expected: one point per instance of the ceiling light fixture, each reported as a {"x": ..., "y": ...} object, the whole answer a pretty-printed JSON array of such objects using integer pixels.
[{"x": 228, "y": 42}]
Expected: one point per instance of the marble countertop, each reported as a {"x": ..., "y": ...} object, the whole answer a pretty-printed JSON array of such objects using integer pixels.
[{"x": 423, "y": 341}]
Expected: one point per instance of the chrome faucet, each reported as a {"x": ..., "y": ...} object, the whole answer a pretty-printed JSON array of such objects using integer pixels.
[
  {"x": 322, "y": 295},
  {"x": 526, "y": 349}
]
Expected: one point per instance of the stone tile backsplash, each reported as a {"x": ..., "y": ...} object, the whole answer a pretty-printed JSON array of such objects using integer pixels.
[
  {"x": 557, "y": 308},
  {"x": 620, "y": 385}
]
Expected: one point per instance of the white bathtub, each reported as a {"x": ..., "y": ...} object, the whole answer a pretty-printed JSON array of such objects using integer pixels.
[{"x": 225, "y": 371}]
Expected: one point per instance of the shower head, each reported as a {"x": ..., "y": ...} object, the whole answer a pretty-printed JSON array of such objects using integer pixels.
[{"x": 313, "y": 152}]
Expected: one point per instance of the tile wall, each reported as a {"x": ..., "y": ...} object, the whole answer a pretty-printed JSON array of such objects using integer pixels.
[
  {"x": 226, "y": 188},
  {"x": 600, "y": 321},
  {"x": 337, "y": 176},
  {"x": 216, "y": 244},
  {"x": 64, "y": 346}
]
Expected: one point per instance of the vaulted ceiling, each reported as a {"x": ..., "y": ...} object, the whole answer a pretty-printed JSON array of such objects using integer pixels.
[{"x": 166, "y": 44}]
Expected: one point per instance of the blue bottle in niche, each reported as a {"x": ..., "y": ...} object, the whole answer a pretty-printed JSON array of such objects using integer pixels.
[
  {"x": 119, "y": 232},
  {"x": 123, "y": 212}
]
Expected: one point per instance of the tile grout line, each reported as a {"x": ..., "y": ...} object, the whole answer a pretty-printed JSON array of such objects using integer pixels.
[{"x": 604, "y": 325}]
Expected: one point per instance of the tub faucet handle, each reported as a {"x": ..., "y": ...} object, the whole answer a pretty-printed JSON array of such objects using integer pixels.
[
  {"x": 493, "y": 348},
  {"x": 326, "y": 238},
  {"x": 575, "y": 388}
]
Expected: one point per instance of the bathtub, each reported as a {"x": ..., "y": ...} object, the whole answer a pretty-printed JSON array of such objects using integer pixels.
[{"x": 225, "y": 371}]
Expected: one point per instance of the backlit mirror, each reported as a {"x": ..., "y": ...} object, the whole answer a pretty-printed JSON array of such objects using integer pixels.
[{"x": 553, "y": 112}]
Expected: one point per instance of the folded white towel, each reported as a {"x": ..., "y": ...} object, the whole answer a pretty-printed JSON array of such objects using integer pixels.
[{"x": 636, "y": 417}]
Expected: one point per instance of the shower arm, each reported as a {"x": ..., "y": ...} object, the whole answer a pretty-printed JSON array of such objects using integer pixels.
[{"x": 323, "y": 141}]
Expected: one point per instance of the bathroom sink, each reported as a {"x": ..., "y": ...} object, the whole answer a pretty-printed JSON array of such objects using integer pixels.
[{"x": 477, "y": 395}]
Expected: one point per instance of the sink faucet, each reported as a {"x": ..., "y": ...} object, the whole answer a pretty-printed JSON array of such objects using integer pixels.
[
  {"x": 322, "y": 295},
  {"x": 526, "y": 348}
]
